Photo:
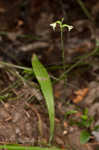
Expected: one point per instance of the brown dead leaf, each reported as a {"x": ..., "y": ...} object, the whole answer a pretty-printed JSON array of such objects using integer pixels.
[
  {"x": 65, "y": 124},
  {"x": 80, "y": 94},
  {"x": 20, "y": 23},
  {"x": 57, "y": 94}
]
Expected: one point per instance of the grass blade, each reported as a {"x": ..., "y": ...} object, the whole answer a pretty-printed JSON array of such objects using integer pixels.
[
  {"x": 16, "y": 147},
  {"x": 46, "y": 88}
]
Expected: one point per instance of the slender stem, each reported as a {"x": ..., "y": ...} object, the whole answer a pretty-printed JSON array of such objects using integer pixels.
[
  {"x": 62, "y": 46},
  {"x": 78, "y": 62},
  {"x": 63, "y": 56},
  {"x": 86, "y": 12},
  {"x": 15, "y": 66}
]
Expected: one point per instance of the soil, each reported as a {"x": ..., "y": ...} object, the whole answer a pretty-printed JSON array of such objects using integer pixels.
[{"x": 25, "y": 30}]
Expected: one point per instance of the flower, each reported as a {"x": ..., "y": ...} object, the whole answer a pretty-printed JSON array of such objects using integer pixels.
[
  {"x": 53, "y": 25},
  {"x": 67, "y": 26},
  {"x": 70, "y": 28}
]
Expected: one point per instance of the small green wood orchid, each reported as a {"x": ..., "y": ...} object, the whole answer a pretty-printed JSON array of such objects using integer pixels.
[{"x": 62, "y": 26}]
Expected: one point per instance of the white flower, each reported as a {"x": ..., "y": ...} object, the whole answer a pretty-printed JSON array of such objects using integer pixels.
[
  {"x": 70, "y": 28},
  {"x": 67, "y": 26},
  {"x": 53, "y": 25}
]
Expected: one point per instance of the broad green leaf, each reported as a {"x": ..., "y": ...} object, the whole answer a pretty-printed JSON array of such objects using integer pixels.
[
  {"x": 16, "y": 147},
  {"x": 84, "y": 137},
  {"x": 46, "y": 88}
]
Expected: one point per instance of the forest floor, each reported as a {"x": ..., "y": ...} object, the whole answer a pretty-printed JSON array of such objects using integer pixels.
[{"x": 25, "y": 30}]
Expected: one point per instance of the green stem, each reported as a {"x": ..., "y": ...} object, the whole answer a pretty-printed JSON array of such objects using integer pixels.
[
  {"x": 86, "y": 12},
  {"x": 63, "y": 56},
  {"x": 78, "y": 62},
  {"x": 15, "y": 66},
  {"x": 62, "y": 46}
]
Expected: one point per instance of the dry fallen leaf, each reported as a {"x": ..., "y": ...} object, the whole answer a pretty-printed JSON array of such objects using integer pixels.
[
  {"x": 65, "y": 124},
  {"x": 80, "y": 94}
]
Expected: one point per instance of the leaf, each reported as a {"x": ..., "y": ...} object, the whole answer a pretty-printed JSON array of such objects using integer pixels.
[
  {"x": 96, "y": 128},
  {"x": 71, "y": 112},
  {"x": 80, "y": 94},
  {"x": 46, "y": 88},
  {"x": 84, "y": 137},
  {"x": 16, "y": 147}
]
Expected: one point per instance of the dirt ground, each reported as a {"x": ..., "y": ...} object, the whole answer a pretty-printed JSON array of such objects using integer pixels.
[{"x": 25, "y": 30}]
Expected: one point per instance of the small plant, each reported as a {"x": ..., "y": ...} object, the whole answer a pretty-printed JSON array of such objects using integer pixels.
[
  {"x": 71, "y": 112},
  {"x": 61, "y": 26},
  {"x": 85, "y": 123}
]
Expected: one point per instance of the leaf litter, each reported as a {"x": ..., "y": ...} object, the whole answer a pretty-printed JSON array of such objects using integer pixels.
[{"x": 82, "y": 86}]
